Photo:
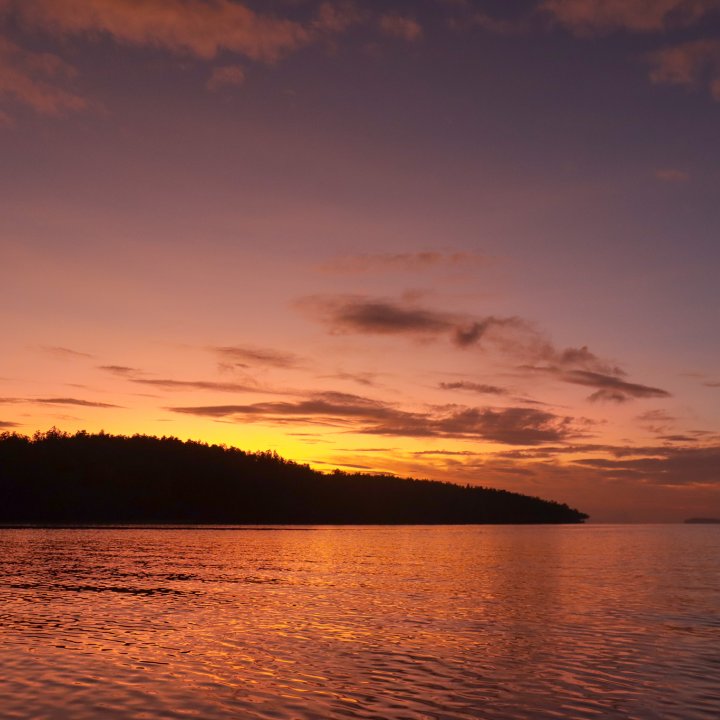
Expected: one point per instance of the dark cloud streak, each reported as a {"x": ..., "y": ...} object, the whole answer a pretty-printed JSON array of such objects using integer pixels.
[{"x": 512, "y": 426}]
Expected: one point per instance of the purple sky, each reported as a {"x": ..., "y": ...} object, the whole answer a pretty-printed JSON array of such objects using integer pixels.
[{"x": 472, "y": 241}]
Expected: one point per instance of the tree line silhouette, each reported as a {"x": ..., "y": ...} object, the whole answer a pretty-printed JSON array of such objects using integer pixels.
[{"x": 58, "y": 478}]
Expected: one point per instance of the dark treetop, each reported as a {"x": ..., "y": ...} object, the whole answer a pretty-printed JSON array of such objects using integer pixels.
[{"x": 55, "y": 478}]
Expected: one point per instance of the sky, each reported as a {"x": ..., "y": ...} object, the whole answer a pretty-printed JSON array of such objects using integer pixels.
[{"x": 465, "y": 240}]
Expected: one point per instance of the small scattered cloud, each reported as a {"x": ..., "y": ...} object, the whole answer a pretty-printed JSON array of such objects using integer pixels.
[
  {"x": 244, "y": 356},
  {"x": 56, "y": 401},
  {"x": 609, "y": 387},
  {"x": 357, "y": 314},
  {"x": 7, "y": 425},
  {"x": 692, "y": 64},
  {"x": 137, "y": 376},
  {"x": 226, "y": 76},
  {"x": 34, "y": 80},
  {"x": 121, "y": 370},
  {"x": 480, "y": 388},
  {"x": 362, "y": 378},
  {"x": 73, "y": 401},
  {"x": 656, "y": 421},
  {"x": 400, "y": 26},
  {"x": 404, "y": 262},
  {"x": 168, "y": 384},
  {"x": 64, "y": 353},
  {"x": 672, "y": 175},
  {"x": 500, "y": 26},
  {"x": 586, "y": 17}
]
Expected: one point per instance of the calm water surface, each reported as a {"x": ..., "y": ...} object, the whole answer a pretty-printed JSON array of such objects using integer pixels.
[{"x": 382, "y": 622}]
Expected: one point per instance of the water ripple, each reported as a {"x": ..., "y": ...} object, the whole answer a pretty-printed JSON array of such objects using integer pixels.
[{"x": 418, "y": 623}]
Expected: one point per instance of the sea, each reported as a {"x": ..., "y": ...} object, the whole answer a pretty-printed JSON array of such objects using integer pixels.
[{"x": 411, "y": 622}]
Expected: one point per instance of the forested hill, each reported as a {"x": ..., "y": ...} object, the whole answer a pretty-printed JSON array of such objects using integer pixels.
[{"x": 55, "y": 478}]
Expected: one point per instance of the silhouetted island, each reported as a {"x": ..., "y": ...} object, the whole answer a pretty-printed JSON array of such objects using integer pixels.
[
  {"x": 55, "y": 478},
  {"x": 702, "y": 521}
]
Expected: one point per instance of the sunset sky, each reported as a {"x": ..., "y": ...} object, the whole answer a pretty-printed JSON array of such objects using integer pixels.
[{"x": 464, "y": 240}]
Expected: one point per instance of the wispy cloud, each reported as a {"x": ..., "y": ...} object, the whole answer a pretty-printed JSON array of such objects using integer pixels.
[
  {"x": 611, "y": 387},
  {"x": 56, "y": 401},
  {"x": 480, "y": 388},
  {"x": 121, "y": 370},
  {"x": 359, "y": 314},
  {"x": 362, "y": 378},
  {"x": 401, "y": 26},
  {"x": 512, "y": 426},
  {"x": 200, "y": 29},
  {"x": 656, "y": 421},
  {"x": 245, "y": 356},
  {"x": 63, "y": 352},
  {"x": 169, "y": 384},
  {"x": 512, "y": 337},
  {"x": 138, "y": 377},
  {"x": 191, "y": 27},
  {"x": 226, "y": 76},
  {"x": 692, "y": 64},
  {"x": 33, "y": 79},
  {"x": 669, "y": 466},
  {"x": 599, "y": 16},
  {"x": 404, "y": 262},
  {"x": 672, "y": 175}
]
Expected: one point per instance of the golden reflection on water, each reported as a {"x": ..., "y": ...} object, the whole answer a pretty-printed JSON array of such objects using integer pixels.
[{"x": 373, "y": 622}]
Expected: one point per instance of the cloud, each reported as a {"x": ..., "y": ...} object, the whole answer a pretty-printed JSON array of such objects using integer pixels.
[
  {"x": 31, "y": 79},
  {"x": 669, "y": 466},
  {"x": 403, "y": 262},
  {"x": 692, "y": 64},
  {"x": 474, "y": 387},
  {"x": 379, "y": 317},
  {"x": 510, "y": 336},
  {"x": 122, "y": 370},
  {"x": 656, "y": 421},
  {"x": 201, "y": 28},
  {"x": 73, "y": 401},
  {"x": 348, "y": 314},
  {"x": 244, "y": 356},
  {"x": 136, "y": 376},
  {"x": 225, "y": 76},
  {"x": 57, "y": 401},
  {"x": 168, "y": 384},
  {"x": 512, "y": 426},
  {"x": 362, "y": 378},
  {"x": 670, "y": 175},
  {"x": 400, "y": 26},
  {"x": 63, "y": 352},
  {"x": 500, "y": 26},
  {"x": 610, "y": 387},
  {"x": 7, "y": 424},
  {"x": 585, "y": 17}
]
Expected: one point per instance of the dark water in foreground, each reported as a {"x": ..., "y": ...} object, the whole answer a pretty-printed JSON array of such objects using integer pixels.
[{"x": 387, "y": 622}]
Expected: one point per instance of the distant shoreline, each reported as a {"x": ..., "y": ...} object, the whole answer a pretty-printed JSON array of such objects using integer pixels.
[{"x": 268, "y": 527}]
